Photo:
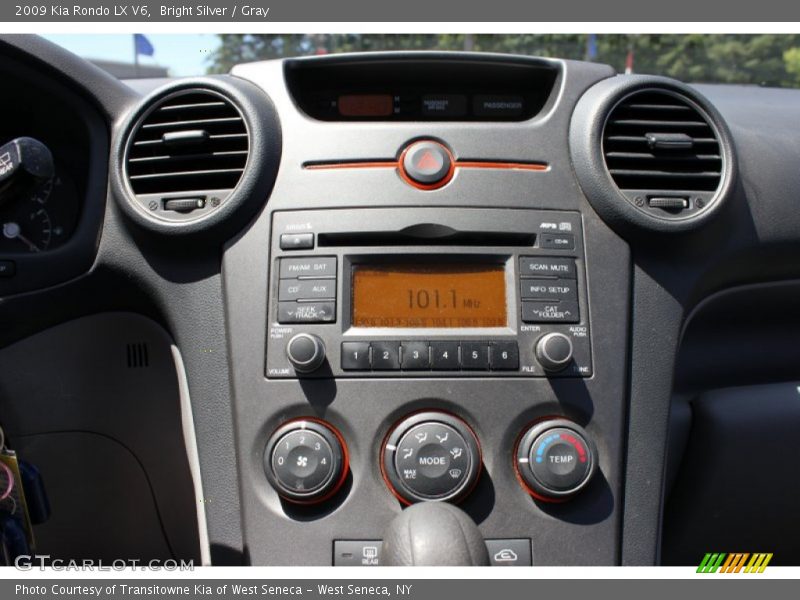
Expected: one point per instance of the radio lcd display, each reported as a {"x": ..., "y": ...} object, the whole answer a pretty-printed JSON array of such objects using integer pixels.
[{"x": 429, "y": 296}]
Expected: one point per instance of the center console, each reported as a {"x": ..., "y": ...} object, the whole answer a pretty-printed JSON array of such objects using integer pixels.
[{"x": 428, "y": 311}]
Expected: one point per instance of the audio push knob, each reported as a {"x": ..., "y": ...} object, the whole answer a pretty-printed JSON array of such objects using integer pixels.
[
  {"x": 554, "y": 351},
  {"x": 555, "y": 459},
  {"x": 306, "y": 352}
]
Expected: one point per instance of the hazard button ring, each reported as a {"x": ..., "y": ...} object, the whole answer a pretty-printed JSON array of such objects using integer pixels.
[{"x": 426, "y": 165}]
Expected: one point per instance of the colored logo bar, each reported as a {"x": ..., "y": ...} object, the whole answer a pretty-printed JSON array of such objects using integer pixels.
[{"x": 734, "y": 562}]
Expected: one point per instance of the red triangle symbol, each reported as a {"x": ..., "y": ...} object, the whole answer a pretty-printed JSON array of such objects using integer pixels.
[{"x": 428, "y": 161}]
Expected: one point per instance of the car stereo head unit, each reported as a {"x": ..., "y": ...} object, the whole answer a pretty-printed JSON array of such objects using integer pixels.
[{"x": 427, "y": 293}]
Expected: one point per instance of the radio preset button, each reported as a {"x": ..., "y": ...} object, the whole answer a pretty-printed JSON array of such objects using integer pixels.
[
  {"x": 542, "y": 266},
  {"x": 550, "y": 312},
  {"x": 548, "y": 289},
  {"x": 505, "y": 356},
  {"x": 475, "y": 355},
  {"x": 308, "y": 268},
  {"x": 355, "y": 356},
  {"x": 306, "y": 312},
  {"x": 444, "y": 356},
  {"x": 386, "y": 356},
  {"x": 307, "y": 289},
  {"x": 415, "y": 356}
]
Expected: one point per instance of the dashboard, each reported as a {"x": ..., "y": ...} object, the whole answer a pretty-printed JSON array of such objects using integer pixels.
[{"x": 353, "y": 284}]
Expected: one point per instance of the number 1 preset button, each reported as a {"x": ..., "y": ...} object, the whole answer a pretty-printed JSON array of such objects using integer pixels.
[{"x": 355, "y": 356}]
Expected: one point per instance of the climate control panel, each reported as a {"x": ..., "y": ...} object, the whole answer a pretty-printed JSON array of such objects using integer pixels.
[{"x": 430, "y": 456}]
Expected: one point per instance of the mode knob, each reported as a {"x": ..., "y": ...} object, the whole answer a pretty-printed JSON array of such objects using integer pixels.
[
  {"x": 431, "y": 456},
  {"x": 554, "y": 351},
  {"x": 306, "y": 352},
  {"x": 555, "y": 459},
  {"x": 306, "y": 461}
]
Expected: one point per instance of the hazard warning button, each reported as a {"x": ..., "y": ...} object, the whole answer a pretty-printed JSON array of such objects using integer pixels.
[{"x": 427, "y": 162}]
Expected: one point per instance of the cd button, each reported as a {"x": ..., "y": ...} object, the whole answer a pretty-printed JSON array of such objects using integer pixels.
[{"x": 306, "y": 289}]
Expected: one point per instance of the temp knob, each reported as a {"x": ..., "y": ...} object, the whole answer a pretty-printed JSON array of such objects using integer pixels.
[
  {"x": 554, "y": 351},
  {"x": 431, "y": 456},
  {"x": 306, "y": 352},
  {"x": 306, "y": 461},
  {"x": 555, "y": 459}
]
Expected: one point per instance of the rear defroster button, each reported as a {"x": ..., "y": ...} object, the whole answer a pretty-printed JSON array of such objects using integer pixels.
[{"x": 427, "y": 163}]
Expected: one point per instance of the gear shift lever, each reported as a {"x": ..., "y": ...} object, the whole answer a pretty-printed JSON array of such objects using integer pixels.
[{"x": 433, "y": 534}]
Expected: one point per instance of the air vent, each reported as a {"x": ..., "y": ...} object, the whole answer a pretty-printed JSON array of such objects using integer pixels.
[
  {"x": 192, "y": 143},
  {"x": 662, "y": 152}
]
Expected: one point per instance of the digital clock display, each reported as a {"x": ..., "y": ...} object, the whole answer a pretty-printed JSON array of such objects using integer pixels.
[{"x": 429, "y": 296}]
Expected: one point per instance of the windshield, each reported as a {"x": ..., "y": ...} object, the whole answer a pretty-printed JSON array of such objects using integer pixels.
[{"x": 763, "y": 59}]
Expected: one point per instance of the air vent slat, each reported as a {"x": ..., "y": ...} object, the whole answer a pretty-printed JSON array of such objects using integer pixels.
[
  {"x": 636, "y": 165},
  {"x": 213, "y": 162},
  {"x": 190, "y": 123}
]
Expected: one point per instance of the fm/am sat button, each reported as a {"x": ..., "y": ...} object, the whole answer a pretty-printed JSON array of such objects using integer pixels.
[{"x": 311, "y": 267}]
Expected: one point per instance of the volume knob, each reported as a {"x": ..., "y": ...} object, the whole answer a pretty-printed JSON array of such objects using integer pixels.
[
  {"x": 554, "y": 351},
  {"x": 306, "y": 352}
]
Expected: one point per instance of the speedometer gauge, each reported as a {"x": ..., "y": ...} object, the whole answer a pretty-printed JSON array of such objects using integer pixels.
[{"x": 42, "y": 219}]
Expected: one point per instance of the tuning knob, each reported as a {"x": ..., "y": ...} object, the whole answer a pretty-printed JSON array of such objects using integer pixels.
[
  {"x": 554, "y": 351},
  {"x": 306, "y": 352},
  {"x": 306, "y": 461},
  {"x": 555, "y": 459}
]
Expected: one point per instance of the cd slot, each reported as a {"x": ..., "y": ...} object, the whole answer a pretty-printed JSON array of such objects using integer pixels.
[{"x": 427, "y": 238}]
